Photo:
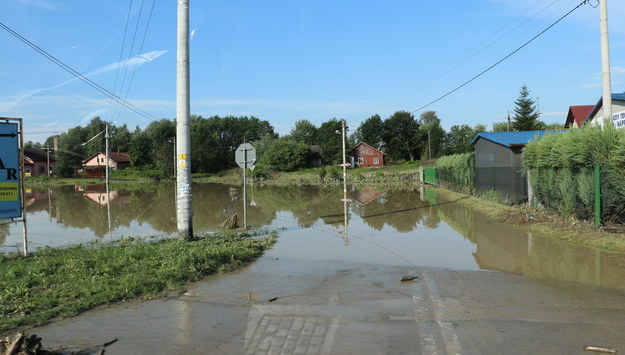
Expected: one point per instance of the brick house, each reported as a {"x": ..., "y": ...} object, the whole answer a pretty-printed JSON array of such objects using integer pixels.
[
  {"x": 365, "y": 155},
  {"x": 94, "y": 166},
  {"x": 36, "y": 162}
]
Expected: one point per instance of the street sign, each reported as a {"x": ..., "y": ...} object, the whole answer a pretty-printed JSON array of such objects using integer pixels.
[
  {"x": 10, "y": 206},
  {"x": 245, "y": 155}
]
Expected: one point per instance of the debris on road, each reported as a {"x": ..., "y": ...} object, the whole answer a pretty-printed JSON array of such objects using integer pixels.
[
  {"x": 600, "y": 349},
  {"x": 408, "y": 278}
]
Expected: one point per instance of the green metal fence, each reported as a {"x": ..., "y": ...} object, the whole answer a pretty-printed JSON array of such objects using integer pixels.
[{"x": 430, "y": 176}]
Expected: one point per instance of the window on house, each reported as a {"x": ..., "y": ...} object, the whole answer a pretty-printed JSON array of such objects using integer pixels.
[
  {"x": 376, "y": 161},
  {"x": 361, "y": 160}
]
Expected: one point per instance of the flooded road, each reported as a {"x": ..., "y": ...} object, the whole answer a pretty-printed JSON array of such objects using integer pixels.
[
  {"x": 332, "y": 283},
  {"x": 400, "y": 226}
]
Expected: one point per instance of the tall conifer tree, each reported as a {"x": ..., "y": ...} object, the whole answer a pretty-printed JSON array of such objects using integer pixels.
[{"x": 525, "y": 112}]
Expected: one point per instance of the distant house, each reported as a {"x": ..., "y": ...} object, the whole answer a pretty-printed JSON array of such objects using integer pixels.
[
  {"x": 618, "y": 112},
  {"x": 498, "y": 163},
  {"x": 95, "y": 165},
  {"x": 37, "y": 162},
  {"x": 365, "y": 155},
  {"x": 576, "y": 115}
]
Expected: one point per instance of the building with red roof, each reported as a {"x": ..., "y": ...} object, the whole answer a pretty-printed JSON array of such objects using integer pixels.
[{"x": 577, "y": 115}]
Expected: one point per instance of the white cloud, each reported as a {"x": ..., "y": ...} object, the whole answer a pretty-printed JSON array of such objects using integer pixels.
[
  {"x": 42, "y": 4},
  {"x": 548, "y": 114}
]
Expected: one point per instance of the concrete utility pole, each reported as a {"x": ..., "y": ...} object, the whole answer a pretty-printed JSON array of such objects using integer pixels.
[
  {"x": 606, "y": 83},
  {"x": 106, "y": 154},
  {"x": 344, "y": 162},
  {"x": 184, "y": 201}
]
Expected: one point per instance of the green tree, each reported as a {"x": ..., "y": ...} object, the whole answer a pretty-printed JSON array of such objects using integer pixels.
[
  {"x": 525, "y": 112},
  {"x": 286, "y": 155},
  {"x": 120, "y": 138},
  {"x": 161, "y": 135},
  {"x": 304, "y": 131},
  {"x": 433, "y": 133},
  {"x": 371, "y": 131},
  {"x": 263, "y": 144},
  {"x": 140, "y": 150},
  {"x": 501, "y": 127},
  {"x": 71, "y": 152},
  {"x": 402, "y": 137},
  {"x": 459, "y": 138},
  {"x": 330, "y": 141}
]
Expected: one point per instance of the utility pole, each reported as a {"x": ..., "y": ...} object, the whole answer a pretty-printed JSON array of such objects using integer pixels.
[
  {"x": 48, "y": 159},
  {"x": 106, "y": 154},
  {"x": 184, "y": 203},
  {"x": 605, "y": 63},
  {"x": 344, "y": 162}
]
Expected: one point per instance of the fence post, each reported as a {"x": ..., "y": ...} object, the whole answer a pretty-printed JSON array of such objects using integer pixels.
[
  {"x": 530, "y": 192},
  {"x": 597, "y": 194}
]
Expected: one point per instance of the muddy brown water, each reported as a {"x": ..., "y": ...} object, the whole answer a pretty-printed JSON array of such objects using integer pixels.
[
  {"x": 332, "y": 283},
  {"x": 399, "y": 226}
]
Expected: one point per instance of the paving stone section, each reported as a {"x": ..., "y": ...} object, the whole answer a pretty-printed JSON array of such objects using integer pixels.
[{"x": 269, "y": 331}]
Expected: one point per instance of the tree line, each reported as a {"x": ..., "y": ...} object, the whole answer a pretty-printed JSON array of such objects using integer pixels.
[{"x": 401, "y": 136}]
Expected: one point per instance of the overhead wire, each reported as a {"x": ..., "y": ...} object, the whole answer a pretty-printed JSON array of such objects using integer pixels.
[
  {"x": 134, "y": 69},
  {"x": 498, "y": 35},
  {"x": 121, "y": 54},
  {"x": 501, "y": 60},
  {"x": 78, "y": 75},
  {"x": 130, "y": 53}
]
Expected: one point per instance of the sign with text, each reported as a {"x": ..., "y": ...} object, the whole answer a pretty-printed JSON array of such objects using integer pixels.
[
  {"x": 618, "y": 119},
  {"x": 10, "y": 206}
]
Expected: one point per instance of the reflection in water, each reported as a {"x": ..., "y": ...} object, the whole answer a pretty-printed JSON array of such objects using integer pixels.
[
  {"x": 502, "y": 248},
  {"x": 404, "y": 226}
]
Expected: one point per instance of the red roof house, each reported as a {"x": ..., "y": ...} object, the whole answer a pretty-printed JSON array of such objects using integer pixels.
[
  {"x": 577, "y": 115},
  {"x": 365, "y": 155},
  {"x": 94, "y": 166}
]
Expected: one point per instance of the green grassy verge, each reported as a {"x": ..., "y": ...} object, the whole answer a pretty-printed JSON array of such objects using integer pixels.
[
  {"x": 546, "y": 223},
  {"x": 55, "y": 283},
  {"x": 386, "y": 175}
]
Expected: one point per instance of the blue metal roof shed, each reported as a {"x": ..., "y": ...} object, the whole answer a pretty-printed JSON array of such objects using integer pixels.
[
  {"x": 511, "y": 139},
  {"x": 499, "y": 165}
]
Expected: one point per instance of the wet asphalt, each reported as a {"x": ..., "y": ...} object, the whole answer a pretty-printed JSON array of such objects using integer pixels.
[{"x": 292, "y": 306}]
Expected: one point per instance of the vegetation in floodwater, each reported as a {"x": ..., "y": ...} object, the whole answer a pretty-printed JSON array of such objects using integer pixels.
[{"x": 54, "y": 283}]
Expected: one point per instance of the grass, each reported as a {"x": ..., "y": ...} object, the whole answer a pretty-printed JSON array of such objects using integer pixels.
[
  {"x": 546, "y": 223},
  {"x": 54, "y": 283},
  {"x": 311, "y": 176}
]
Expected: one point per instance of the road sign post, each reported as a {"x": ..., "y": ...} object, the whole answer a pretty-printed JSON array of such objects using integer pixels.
[
  {"x": 12, "y": 192},
  {"x": 245, "y": 157},
  {"x": 10, "y": 181}
]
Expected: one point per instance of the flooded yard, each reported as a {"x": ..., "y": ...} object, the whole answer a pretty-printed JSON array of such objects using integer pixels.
[
  {"x": 332, "y": 284},
  {"x": 384, "y": 226}
]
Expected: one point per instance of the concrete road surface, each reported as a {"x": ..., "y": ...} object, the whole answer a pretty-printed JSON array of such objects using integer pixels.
[{"x": 284, "y": 306}]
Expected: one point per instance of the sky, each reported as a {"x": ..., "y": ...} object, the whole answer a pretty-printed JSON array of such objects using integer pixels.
[{"x": 282, "y": 61}]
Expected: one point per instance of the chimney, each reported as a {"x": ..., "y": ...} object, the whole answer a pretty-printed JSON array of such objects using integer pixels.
[{"x": 56, "y": 144}]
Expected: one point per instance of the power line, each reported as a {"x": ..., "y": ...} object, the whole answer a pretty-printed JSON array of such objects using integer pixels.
[
  {"x": 134, "y": 69},
  {"x": 121, "y": 54},
  {"x": 501, "y": 60},
  {"x": 78, "y": 75}
]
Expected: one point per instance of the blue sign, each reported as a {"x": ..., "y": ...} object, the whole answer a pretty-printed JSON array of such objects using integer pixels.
[{"x": 10, "y": 206}]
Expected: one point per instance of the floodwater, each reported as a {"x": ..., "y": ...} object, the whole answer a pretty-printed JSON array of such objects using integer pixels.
[{"x": 392, "y": 227}]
